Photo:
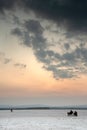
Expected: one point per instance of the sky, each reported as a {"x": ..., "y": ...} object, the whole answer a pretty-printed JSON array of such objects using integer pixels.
[{"x": 43, "y": 52}]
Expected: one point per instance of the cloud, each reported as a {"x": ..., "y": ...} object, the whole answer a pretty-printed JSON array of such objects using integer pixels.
[
  {"x": 6, "y": 60},
  {"x": 69, "y": 13},
  {"x": 6, "y": 4},
  {"x": 68, "y": 59},
  {"x": 33, "y": 26},
  {"x": 19, "y": 65},
  {"x": 3, "y": 58},
  {"x": 35, "y": 34},
  {"x": 16, "y": 20},
  {"x": 67, "y": 46},
  {"x": 72, "y": 13},
  {"x": 31, "y": 34},
  {"x": 60, "y": 72},
  {"x": 69, "y": 62},
  {"x": 17, "y": 32},
  {"x": 32, "y": 31}
]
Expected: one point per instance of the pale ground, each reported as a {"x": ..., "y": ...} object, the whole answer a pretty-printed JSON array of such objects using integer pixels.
[{"x": 22, "y": 121}]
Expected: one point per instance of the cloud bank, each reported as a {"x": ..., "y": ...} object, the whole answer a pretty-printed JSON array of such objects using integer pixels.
[
  {"x": 68, "y": 59},
  {"x": 22, "y": 66},
  {"x": 71, "y": 13},
  {"x": 69, "y": 63}
]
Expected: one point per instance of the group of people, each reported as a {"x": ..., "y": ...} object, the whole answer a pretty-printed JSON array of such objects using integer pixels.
[{"x": 73, "y": 113}]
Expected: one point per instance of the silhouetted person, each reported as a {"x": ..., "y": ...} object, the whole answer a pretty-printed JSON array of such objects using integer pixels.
[
  {"x": 11, "y": 110},
  {"x": 70, "y": 113},
  {"x": 75, "y": 113}
]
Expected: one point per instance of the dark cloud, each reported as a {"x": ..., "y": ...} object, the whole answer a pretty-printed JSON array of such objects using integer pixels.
[
  {"x": 16, "y": 20},
  {"x": 67, "y": 46},
  {"x": 31, "y": 34},
  {"x": 71, "y": 13},
  {"x": 35, "y": 32},
  {"x": 19, "y": 65},
  {"x": 7, "y": 4},
  {"x": 34, "y": 26},
  {"x": 71, "y": 60},
  {"x": 60, "y": 73},
  {"x": 68, "y": 64},
  {"x": 17, "y": 32}
]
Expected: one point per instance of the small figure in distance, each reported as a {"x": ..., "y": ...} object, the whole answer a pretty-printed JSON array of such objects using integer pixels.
[
  {"x": 11, "y": 110},
  {"x": 75, "y": 113},
  {"x": 70, "y": 113}
]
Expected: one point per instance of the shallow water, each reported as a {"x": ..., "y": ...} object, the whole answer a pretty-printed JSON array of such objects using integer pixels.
[{"x": 42, "y": 120}]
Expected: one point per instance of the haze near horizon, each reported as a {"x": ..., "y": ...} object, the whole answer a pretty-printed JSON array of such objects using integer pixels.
[{"x": 43, "y": 52}]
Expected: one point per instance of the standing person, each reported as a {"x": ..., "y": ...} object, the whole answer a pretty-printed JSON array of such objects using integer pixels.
[{"x": 11, "y": 110}]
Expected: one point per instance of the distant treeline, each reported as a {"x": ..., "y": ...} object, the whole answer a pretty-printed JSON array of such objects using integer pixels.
[{"x": 44, "y": 108}]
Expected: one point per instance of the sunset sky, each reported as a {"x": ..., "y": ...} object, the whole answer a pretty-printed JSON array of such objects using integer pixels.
[{"x": 43, "y": 52}]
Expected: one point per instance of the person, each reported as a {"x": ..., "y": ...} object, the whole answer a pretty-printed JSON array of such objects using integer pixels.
[
  {"x": 11, "y": 110},
  {"x": 75, "y": 113},
  {"x": 70, "y": 113}
]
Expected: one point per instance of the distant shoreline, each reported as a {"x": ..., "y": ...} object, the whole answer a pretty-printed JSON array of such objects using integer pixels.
[{"x": 44, "y": 108}]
